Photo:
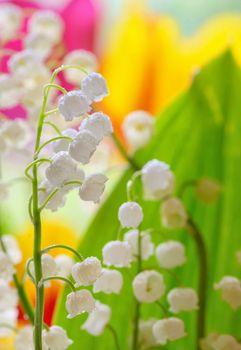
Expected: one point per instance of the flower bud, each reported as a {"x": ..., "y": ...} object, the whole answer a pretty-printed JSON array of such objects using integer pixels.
[
  {"x": 173, "y": 213},
  {"x": 170, "y": 254},
  {"x": 56, "y": 338},
  {"x": 231, "y": 291},
  {"x": 157, "y": 179},
  {"x": 86, "y": 272},
  {"x": 94, "y": 87},
  {"x": 6, "y": 267},
  {"x": 138, "y": 128},
  {"x": 81, "y": 58},
  {"x": 73, "y": 105},
  {"x": 182, "y": 299},
  {"x": 117, "y": 253},
  {"x": 98, "y": 319},
  {"x": 61, "y": 169},
  {"x": 207, "y": 190},
  {"x": 83, "y": 147},
  {"x": 171, "y": 328},
  {"x": 110, "y": 281},
  {"x": 130, "y": 214},
  {"x": 79, "y": 302},
  {"x": 148, "y": 286},
  {"x": 62, "y": 144},
  {"x": 147, "y": 247},
  {"x": 99, "y": 124},
  {"x": 93, "y": 187}
]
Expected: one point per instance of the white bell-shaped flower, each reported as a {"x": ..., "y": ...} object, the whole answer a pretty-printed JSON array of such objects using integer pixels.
[
  {"x": 12, "y": 248},
  {"x": 130, "y": 215},
  {"x": 98, "y": 319},
  {"x": 138, "y": 127},
  {"x": 49, "y": 267},
  {"x": 73, "y": 105},
  {"x": 79, "y": 302},
  {"x": 24, "y": 65},
  {"x": 8, "y": 317},
  {"x": 8, "y": 296},
  {"x": 147, "y": 247},
  {"x": 158, "y": 180},
  {"x": 110, "y": 281},
  {"x": 6, "y": 267},
  {"x": 117, "y": 253},
  {"x": 47, "y": 23},
  {"x": 231, "y": 291},
  {"x": 10, "y": 20},
  {"x": 99, "y": 124},
  {"x": 56, "y": 338},
  {"x": 93, "y": 187},
  {"x": 226, "y": 342},
  {"x": 86, "y": 272},
  {"x": 57, "y": 201},
  {"x": 82, "y": 58},
  {"x": 9, "y": 91},
  {"x": 62, "y": 144},
  {"x": 170, "y": 254},
  {"x": 148, "y": 286},
  {"x": 182, "y": 299},
  {"x": 15, "y": 133},
  {"x": 174, "y": 214},
  {"x": 171, "y": 328},
  {"x": 146, "y": 336},
  {"x": 24, "y": 339},
  {"x": 83, "y": 146},
  {"x": 64, "y": 265},
  {"x": 94, "y": 87},
  {"x": 61, "y": 169},
  {"x": 39, "y": 43}
]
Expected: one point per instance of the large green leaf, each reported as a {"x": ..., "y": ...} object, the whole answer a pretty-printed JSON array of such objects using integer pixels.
[{"x": 199, "y": 135}]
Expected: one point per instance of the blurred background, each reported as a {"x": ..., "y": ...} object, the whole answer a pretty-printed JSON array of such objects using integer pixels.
[{"x": 149, "y": 52}]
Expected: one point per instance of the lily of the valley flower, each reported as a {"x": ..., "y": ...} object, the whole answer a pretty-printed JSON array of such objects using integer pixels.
[
  {"x": 130, "y": 215},
  {"x": 79, "y": 302},
  {"x": 86, "y": 272},
  {"x": 83, "y": 146},
  {"x": 231, "y": 291},
  {"x": 117, "y": 253},
  {"x": 64, "y": 264},
  {"x": 110, "y": 281},
  {"x": 56, "y": 338},
  {"x": 173, "y": 213},
  {"x": 147, "y": 247},
  {"x": 24, "y": 338},
  {"x": 73, "y": 105},
  {"x": 8, "y": 296},
  {"x": 6, "y": 267},
  {"x": 170, "y": 254},
  {"x": 10, "y": 20},
  {"x": 171, "y": 328},
  {"x": 94, "y": 87},
  {"x": 63, "y": 144},
  {"x": 99, "y": 124},
  {"x": 98, "y": 319},
  {"x": 182, "y": 299},
  {"x": 93, "y": 187},
  {"x": 148, "y": 286}
]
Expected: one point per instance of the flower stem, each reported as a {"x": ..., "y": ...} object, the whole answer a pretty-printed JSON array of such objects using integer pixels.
[
  {"x": 113, "y": 331},
  {"x": 124, "y": 153},
  {"x": 203, "y": 278},
  {"x": 63, "y": 246},
  {"x": 60, "y": 278}
]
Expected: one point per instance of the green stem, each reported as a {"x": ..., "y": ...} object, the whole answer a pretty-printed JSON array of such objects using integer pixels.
[
  {"x": 162, "y": 307},
  {"x": 63, "y": 246},
  {"x": 115, "y": 337},
  {"x": 124, "y": 153},
  {"x": 50, "y": 196},
  {"x": 203, "y": 278},
  {"x": 54, "y": 127},
  {"x": 60, "y": 278},
  {"x": 56, "y": 86},
  {"x": 35, "y": 162},
  {"x": 53, "y": 140}
]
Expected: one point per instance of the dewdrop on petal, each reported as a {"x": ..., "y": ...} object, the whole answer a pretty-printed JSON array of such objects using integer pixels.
[
  {"x": 93, "y": 187},
  {"x": 6, "y": 267},
  {"x": 147, "y": 247},
  {"x": 226, "y": 342},
  {"x": 86, "y": 272},
  {"x": 12, "y": 248},
  {"x": 82, "y": 58},
  {"x": 8, "y": 296},
  {"x": 110, "y": 281},
  {"x": 9, "y": 91},
  {"x": 146, "y": 337},
  {"x": 94, "y": 87},
  {"x": 47, "y": 23},
  {"x": 207, "y": 190},
  {"x": 170, "y": 254},
  {"x": 130, "y": 215},
  {"x": 64, "y": 264},
  {"x": 171, "y": 328},
  {"x": 98, "y": 319},
  {"x": 79, "y": 302},
  {"x": 24, "y": 339},
  {"x": 117, "y": 253},
  {"x": 99, "y": 124},
  {"x": 10, "y": 20},
  {"x": 182, "y": 299},
  {"x": 138, "y": 127},
  {"x": 63, "y": 144},
  {"x": 61, "y": 169},
  {"x": 56, "y": 338},
  {"x": 73, "y": 105},
  {"x": 148, "y": 286},
  {"x": 173, "y": 213},
  {"x": 231, "y": 291},
  {"x": 83, "y": 146},
  {"x": 158, "y": 180}
]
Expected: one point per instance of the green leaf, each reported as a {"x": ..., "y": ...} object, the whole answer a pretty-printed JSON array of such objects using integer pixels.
[{"x": 199, "y": 135}]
